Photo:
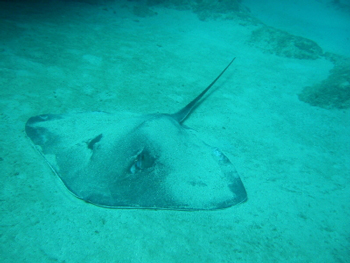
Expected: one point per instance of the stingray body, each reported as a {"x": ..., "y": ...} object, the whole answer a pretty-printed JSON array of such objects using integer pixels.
[{"x": 125, "y": 160}]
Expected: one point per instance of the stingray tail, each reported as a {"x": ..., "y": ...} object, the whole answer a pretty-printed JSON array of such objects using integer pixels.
[{"x": 181, "y": 115}]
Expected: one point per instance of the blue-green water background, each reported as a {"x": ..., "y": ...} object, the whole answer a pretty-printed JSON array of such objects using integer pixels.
[{"x": 281, "y": 115}]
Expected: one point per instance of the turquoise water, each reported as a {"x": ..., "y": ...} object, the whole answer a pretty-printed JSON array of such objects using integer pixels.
[{"x": 280, "y": 114}]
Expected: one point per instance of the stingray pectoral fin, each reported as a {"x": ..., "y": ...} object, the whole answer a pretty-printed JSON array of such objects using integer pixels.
[{"x": 239, "y": 194}]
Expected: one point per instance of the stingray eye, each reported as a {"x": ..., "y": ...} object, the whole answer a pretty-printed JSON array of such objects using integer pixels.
[
  {"x": 133, "y": 168},
  {"x": 142, "y": 161},
  {"x": 137, "y": 165},
  {"x": 139, "y": 161}
]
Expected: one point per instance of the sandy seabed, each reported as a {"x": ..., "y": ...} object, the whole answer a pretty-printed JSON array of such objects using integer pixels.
[{"x": 293, "y": 158}]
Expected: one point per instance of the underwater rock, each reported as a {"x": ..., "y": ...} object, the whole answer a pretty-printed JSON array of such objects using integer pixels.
[
  {"x": 331, "y": 93},
  {"x": 203, "y": 8},
  {"x": 283, "y": 44}
]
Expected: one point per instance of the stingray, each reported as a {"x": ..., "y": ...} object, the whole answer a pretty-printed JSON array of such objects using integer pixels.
[{"x": 128, "y": 160}]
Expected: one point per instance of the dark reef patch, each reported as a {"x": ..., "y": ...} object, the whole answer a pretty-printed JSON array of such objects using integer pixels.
[
  {"x": 205, "y": 9},
  {"x": 281, "y": 43},
  {"x": 333, "y": 92}
]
